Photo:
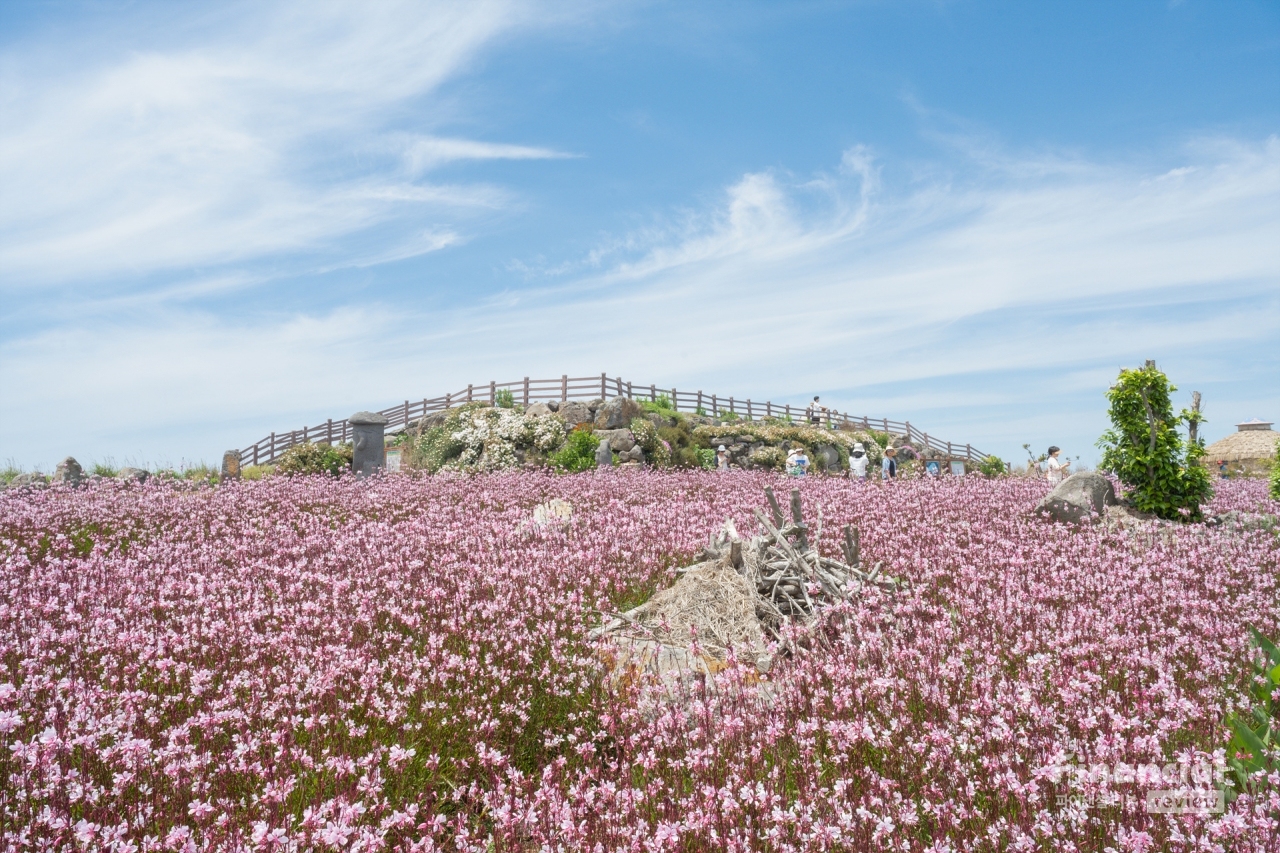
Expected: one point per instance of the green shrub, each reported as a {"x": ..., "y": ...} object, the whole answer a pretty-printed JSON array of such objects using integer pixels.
[
  {"x": 730, "y": 417},
  {"x": 257, "y": 472},
  {"x": 774, "y": 458},
  {"x": 9, "y": 472},
  {"x": 312, "y": 458},
  {"x": 1275, "y": 475},
  {"x": 880, "y": 438},
  {"x": 1251, "y": 753},
  {"x": 104, "y": 469},
  {"x": 993, "y": 466},
  {"x": 434, "y": 448},
  {"x": 504, "y": 399},
  {"x": 707, "y": 458},
  {"x": 578, "y": 454},
  {"x": 1145, "y": 451},
  {"x": 655, "y": 449},
  {"x": 700, "y": 412}
]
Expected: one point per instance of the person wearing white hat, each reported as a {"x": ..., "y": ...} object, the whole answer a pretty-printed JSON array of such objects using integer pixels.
[
  {"x": 722, "y": 458},
  {"x": 858, "y": 462}
]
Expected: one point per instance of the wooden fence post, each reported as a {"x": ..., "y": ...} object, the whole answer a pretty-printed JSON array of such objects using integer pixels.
[
  {"x": 493, "y": 392},
  {"x": 788, "y": 411},
  {"x": 564, "y": 387},
  {"x": 715, "y": 407},
  {"x": 630, "y": 392},
  {"x": 968, "y": 452},
  {"x": 526, "y": 391},
  {"x": 675, "y": 400},
  {"x": 731, "y": 406},
  {"x": 699, "y": 399},
  {"x": 469, "y": 390},
  {"x": 603, "y": 391},
  {"x": 768, "y": 409},
  {"x": 406, "y": 413}
]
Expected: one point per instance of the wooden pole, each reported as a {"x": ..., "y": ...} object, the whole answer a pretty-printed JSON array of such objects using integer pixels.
[
  {"x": 802, "y": 538},
  {"x": 564, "y": 387},
  {"x": 1194, "y": 428},
  {"x": 774, "y": 507}
]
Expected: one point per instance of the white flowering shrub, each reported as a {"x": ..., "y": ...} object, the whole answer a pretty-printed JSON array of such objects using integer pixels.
[{"x": 484, "y": 438}]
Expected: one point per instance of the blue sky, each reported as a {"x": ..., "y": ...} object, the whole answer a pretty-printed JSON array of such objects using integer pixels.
[{"x": 221, "y": 220}]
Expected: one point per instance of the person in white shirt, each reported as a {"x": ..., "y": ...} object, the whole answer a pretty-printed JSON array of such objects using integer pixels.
[
  {"x": 1054, "y": 469},
  {"x": 722, "y": 458},
  {"x": 858, "y": 462}
]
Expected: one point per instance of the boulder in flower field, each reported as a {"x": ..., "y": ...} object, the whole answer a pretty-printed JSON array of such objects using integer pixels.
[
  {"x": 130, "y": 473},
  {"x": 1076, "y": 497},
  {"x": 69, "y": 472}
]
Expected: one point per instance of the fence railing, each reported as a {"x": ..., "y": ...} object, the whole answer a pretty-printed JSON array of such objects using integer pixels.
[{"x": 528, "y": 391}]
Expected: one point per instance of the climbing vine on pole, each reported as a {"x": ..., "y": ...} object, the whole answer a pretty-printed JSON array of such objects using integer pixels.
[{"x": 1146, "y": 451}]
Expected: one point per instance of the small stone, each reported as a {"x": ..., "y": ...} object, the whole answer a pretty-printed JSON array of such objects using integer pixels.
[
  {"x": 538, "y": 409},
  {"x": 129, "y": 473}
]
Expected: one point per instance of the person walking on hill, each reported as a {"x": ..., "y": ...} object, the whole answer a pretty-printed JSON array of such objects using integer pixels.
[
  {"x": 815, "y": 412},
  {"x": 1055, "y": 470},
  {"x": 889, "y": 467}
]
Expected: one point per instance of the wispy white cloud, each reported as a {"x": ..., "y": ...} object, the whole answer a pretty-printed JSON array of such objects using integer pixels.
[
  {"x": 1021, "y": 293},
  {"x": 242, "y": 145}
]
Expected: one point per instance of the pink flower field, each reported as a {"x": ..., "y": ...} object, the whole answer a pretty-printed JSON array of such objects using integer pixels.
[{"x": 403, "y": 664}]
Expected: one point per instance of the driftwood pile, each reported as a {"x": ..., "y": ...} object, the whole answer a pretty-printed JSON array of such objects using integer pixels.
[{"x": 742, "y": 591}]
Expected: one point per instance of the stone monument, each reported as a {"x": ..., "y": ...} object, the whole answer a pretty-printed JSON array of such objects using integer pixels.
[
  {"x": 604, "y": 456},
  {"x": 231, "y": 465},
  {"x": 368, "y": 429}
]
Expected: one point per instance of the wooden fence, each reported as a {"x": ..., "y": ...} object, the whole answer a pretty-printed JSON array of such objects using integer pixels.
[{"x": 529, "y": 391}]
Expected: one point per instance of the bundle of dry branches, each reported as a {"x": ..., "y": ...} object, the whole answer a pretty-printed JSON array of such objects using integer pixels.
[{"x": 742, "y": 589}]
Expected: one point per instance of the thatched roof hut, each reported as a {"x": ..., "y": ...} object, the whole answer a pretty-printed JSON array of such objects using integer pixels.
[{"x": 1249, "y": 450}]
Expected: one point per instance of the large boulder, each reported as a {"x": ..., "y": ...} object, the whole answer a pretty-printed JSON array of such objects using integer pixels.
[
  {"x": 131, "y": 473},
  {"x": 830, "y": 457},
  {"x": 69, "y": 472},
  {"x": 35, "y": 478},
  {"x": 617, "y": 413},
  {"x": 620, "y": 440},
  {"x": 538, "y": 409},
  {"x": 1076, "y": 497},
  {"x": 573, "y": 413}
]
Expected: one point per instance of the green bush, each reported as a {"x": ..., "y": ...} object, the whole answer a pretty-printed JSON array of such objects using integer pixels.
[
  {"x": 993, "y": 466},
  {"x": 1251, "y": 753},
  {"x": 504, "y": 399},
  {"x": 707, "y": 458},
  {"x": 1145, "y": 451},
  {"x": 104, "y": 469},
  {"x": 1275, "y": 475},
  {"x": 312, "y": 458},
  {"x": 578, "y": 453},
  {"x": 655, "y": 449}
]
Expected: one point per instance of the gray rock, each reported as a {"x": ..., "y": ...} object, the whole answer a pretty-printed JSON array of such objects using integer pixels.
[
  {"x": 434, "y": 419},
  {"x": 553, "y": 405},
  {"x": 69, "y": 472},
  {"x": 595, "y": 404},
  {"x": 130, "y": 473},
  {"x": 538, "y": 409},
  {"x": 617, "y": 413},
  {"x": 635, "y": 454},
  {"x": 35, "y": 478},
  {"x": 604, "y": 456},
  {"x": 573, "y": 413},
  {"x": 620, "y": 440},
  {"x": 230, "y": 465},
  {"x": 830, "y": 457},
  {"x": 1076, "y": 497}
]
